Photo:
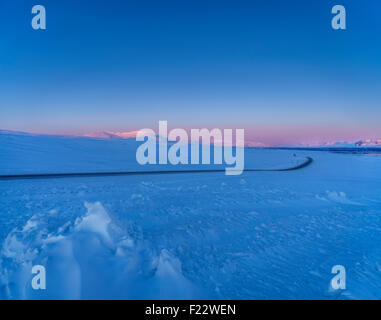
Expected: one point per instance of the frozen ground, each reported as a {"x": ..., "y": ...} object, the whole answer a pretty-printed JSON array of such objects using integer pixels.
[{"x": 261, "y": 235}]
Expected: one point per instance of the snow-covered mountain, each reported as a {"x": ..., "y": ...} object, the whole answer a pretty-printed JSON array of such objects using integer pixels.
[
  {"x": 361, "y": 143},
  {"x": 368, "y": 143},
  {"x": 101, "y": 135},
  {"x": 112, "y": 135}
]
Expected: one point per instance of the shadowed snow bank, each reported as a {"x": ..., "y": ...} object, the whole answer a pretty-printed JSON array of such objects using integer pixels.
[{"x": 90, "y": 257}]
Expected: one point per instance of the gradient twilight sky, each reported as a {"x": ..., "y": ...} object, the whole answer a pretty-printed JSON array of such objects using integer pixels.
[{"x": 275, "y": 68}]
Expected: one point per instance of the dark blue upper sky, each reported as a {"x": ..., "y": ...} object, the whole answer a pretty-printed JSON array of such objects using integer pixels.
[{"x": 275, "y": 68}]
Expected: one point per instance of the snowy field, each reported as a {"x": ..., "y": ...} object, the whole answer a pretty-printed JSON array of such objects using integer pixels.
[{"x": 260, "y": 235}]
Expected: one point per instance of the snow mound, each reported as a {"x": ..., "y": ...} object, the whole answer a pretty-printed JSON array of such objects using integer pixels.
[{"x": 89, "y": 258}]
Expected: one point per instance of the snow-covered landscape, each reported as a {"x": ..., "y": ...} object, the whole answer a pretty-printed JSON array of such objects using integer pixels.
[{"x": 259, "y": 235}]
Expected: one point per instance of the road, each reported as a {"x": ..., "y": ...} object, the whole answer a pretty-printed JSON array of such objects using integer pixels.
[{"x": 305, "y": 164}]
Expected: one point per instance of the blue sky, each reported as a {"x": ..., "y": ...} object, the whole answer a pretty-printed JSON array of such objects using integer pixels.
[{"x": 275, "y": 68}]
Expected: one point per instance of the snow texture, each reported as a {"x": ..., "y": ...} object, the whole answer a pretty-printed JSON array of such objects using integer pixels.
[{"x": 260, "y": 235}]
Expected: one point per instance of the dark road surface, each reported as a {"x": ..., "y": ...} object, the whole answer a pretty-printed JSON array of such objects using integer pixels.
[{"x": 308, "y": 161}]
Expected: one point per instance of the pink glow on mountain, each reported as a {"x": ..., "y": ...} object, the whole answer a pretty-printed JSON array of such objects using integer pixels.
[{"x": 110, "y": 134}]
